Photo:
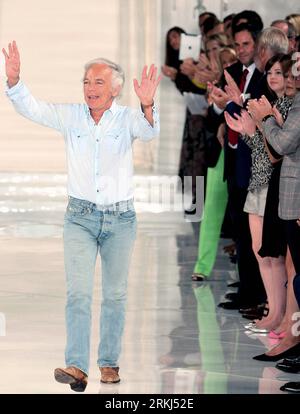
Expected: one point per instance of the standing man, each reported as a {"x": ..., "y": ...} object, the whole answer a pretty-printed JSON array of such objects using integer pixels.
[
  {"x": 237, "y": 169},
  {"x": 100, "y": 214}
]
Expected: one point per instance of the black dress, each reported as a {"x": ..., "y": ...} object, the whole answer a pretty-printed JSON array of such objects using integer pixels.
[{"x": 274, "y": 242}]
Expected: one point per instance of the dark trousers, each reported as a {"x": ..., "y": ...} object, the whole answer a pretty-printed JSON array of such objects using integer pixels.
[
  {"x": 251, "y": 291},
  {"x": 293, "y": 239},
  {"x": 296, "y": 284},
  {"x": 297, "y": 288}
]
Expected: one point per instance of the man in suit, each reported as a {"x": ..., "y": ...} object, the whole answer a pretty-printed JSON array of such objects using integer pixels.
[{"x": 237, "y": 168}]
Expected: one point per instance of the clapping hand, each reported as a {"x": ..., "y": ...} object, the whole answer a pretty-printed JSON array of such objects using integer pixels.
[
  {"x": 258, "y": 109},
  {"x": 243, "y": 124},
  {"x": 218, "y": 96},
  {"x": 232, "y": 90}
]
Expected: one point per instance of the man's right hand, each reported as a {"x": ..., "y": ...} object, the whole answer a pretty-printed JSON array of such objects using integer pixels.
[{"x": 12, "y": 64}]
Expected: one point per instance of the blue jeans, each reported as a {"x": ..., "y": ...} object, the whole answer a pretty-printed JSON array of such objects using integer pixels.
[{"x": 88, "y": 229}]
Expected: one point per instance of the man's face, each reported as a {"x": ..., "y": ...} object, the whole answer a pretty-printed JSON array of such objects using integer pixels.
[
  {"x": 282, "y": 26},
  {"x": 285, "y": 29},
  {"x": 245, "y": 47},
  {"x": 98, "y": 89},
  {"x": 261, "y": 58}
]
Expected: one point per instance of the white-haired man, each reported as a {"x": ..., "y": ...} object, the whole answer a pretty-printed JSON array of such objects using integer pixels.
[{"x": 100, "y": 214}]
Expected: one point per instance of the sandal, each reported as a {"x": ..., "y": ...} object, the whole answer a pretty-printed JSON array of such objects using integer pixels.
[{"x": 197, "y": 277}]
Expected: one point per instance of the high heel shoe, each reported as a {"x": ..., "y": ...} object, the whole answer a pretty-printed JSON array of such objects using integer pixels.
[
  {"x": 294, "y": 351},
  {"x": 275, "y": 335},
  {"x": 198, "y": 277}
]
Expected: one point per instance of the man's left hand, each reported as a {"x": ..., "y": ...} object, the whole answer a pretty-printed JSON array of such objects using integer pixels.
[{"x": 147, "y": 88}]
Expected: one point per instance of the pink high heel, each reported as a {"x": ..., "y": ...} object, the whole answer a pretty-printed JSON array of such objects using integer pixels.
[{"x": 275, "y": 335}]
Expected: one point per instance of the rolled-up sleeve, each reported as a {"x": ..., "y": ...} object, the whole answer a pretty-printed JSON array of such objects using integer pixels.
[
  {"x": 43, "y": 113},
  {"x": 141, "y": 128}
]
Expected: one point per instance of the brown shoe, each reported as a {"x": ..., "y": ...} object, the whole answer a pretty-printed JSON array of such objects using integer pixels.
[
  {"x": 109, "y": 375},
  {"x": 72, "y": 376}
]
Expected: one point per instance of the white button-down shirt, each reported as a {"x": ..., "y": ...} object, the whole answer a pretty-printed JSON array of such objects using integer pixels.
[
  {"x": 251, "y": 68},
  {"x": 99, "y": 157}
]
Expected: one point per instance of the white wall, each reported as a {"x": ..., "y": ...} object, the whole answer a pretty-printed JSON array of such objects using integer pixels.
[{"x": 55, "y": 39}]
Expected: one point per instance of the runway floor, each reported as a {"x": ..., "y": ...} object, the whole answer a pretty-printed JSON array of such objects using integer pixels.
[{"x": 177, "y": 341}]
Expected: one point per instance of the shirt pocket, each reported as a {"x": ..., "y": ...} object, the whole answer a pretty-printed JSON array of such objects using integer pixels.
[
  {"x": 114, "y": 140},
  {"x": 79, "y": 141}
]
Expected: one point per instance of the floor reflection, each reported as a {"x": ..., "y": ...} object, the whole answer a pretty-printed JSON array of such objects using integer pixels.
[{"x": 176, "y": 341}]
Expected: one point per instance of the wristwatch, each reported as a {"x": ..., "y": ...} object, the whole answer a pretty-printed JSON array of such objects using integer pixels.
[{"x": 266, "y": 117}]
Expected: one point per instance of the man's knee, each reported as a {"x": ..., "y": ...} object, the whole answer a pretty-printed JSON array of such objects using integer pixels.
[
  {"x": 115, "y": 297},
  {"x": 79, "y": 300}
]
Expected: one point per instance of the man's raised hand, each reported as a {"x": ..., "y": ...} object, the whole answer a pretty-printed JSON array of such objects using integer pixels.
[
  {"x": 12, "y": 64},
  {"x": 147, "y": 88}
]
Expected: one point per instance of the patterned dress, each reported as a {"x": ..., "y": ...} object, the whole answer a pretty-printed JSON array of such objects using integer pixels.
[{"x": 262, "y": 166}]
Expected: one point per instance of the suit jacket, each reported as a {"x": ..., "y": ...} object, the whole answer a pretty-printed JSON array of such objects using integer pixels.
[
  {"x": 242, "y": 167},
  {"x": 286, "y": 142},
  {"x": 257, "y": 85}
]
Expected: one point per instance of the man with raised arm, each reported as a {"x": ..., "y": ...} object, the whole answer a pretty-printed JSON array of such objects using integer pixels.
[{"x": 100, "y": 215}]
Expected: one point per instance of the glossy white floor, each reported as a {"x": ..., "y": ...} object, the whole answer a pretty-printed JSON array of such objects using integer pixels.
[{"x": 176, "y": 339}]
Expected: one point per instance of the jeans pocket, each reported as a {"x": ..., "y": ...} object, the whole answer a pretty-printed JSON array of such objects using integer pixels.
[
  {"x": 75, "y": 210},
  {"x": 127, "y": 216}
]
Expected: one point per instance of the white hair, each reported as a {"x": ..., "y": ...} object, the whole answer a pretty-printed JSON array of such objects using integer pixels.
[
  {"x": 273, "y": 39},
  {"x": 118, "y": 77}
]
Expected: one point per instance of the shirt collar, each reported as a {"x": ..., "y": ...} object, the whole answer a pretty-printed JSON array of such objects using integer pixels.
[
  {"x": 251, "y": 68},
  {"x": 113, "y": 108}
]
